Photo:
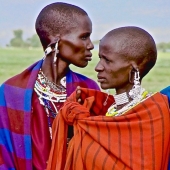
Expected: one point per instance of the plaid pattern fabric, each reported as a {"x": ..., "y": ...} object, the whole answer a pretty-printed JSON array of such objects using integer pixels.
[
  {"x": 15, "y": 115},
  {"x": 139, "y": 139}
]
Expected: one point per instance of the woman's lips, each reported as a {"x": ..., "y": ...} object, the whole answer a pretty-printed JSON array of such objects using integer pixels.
[
  {"x": 100, "y": 79},
  {"x": 88, "y": 57}
]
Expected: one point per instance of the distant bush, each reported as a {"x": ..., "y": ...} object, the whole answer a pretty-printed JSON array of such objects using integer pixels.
[
  {"x": 18, "y": 41},
  {"x": 164, "y": 47}
]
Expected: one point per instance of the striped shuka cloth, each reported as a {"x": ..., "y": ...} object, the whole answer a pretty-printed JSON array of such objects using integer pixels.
[
  {"x": 138, "y": 140},
  {"x": 166, "y": 92},
  {"x": 15, "y": 115}
]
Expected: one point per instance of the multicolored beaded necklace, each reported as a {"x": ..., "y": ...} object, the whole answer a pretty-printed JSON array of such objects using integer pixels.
[
  {"x": 50, "y": 93},
  {"x": 112, "y": 110}
]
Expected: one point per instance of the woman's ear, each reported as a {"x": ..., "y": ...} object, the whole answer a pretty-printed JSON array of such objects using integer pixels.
[
  {"x": 54, "y": 40},
  {"x": 132, "y": 71},
  {"x": 134, "y": 66}
]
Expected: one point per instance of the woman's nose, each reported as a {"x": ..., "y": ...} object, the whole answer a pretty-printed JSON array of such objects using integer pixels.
[
  {"x": 99, "y": 67},
  {"x": 90, "y": 45}
]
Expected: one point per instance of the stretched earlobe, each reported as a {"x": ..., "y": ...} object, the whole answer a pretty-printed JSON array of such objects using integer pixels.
[
  {"x": 54, "y": 41},
  {"x": 56, "y": 52},
  {"x": 52, "y": 47},
  {"x": 134, "y": 69},
  {"x": 131, "y": 76},
  {"x": 136, "y": 85},
  {"x": 48, "y": 50}
]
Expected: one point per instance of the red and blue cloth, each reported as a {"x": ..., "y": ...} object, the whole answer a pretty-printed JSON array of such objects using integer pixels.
[{"x": 15, "y": 115}]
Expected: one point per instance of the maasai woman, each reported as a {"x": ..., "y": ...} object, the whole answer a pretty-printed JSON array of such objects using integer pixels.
[
  {"x": 129, "y": 130},
  {"x": 31, "y": 100}
]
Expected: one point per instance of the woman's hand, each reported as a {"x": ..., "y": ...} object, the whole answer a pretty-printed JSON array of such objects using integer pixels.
[{"x": 78, "y": 94}]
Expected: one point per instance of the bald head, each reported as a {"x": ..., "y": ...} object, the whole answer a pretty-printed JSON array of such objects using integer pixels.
[
  {"x": 57, "y": 18},
  {"x": 135, "y": 44}
]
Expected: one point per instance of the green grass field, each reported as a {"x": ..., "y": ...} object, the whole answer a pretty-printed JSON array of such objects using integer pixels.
[{"x": 13, "y": 61}]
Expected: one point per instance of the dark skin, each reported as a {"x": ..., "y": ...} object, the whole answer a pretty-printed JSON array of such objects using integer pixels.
[
  {"x": 114, "y": 70},
  {"x": 74, "y": 48}
]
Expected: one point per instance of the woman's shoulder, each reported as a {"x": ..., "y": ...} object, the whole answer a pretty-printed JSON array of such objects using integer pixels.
[
  {"x": 166, "y": 90},
  {"x": 82, "y": 78}
]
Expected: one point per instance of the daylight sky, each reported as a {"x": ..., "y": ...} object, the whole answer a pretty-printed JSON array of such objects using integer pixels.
[{"x": 152, "y": 15}]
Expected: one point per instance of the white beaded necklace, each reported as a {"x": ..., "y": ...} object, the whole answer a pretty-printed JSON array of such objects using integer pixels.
[
  {"x": 47, "y": 92},
  {"x": 112, "y": 110}
]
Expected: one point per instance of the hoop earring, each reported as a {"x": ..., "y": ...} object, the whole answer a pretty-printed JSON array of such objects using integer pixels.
[
  {"x": 108, "y": 93},
  {"x": 133, "y": 93}
]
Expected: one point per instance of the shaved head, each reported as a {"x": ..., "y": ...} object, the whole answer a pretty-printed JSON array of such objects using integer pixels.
[
  {"x": 134, "y": 44},
  {"x": 57, "y": 18}
]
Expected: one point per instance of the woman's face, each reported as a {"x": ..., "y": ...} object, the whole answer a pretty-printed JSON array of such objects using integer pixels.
[
  {"x": 75, "y": 47},
  {"x": 113, "y": 70}
]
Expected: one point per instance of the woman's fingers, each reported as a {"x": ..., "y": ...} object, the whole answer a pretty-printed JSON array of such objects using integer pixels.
[{"x": 78, "y": 94}]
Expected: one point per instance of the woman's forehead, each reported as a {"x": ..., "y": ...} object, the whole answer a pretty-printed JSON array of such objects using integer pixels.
[
  {"x": 106, "y": 45},
  {"x": 84, "y": 21}
]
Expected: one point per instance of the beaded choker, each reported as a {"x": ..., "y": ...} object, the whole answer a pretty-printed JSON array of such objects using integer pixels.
[
  {"x": 121, "y": 98},
  {"x": 112, "y": 110},
  {"x": 49, "y": 92}
]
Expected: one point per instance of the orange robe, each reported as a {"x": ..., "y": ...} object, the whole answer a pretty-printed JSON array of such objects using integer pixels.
[{"x": 138, "y": 140}]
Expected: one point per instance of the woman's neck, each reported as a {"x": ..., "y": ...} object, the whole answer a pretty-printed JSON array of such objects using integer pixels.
[
  {"x": 52, "y": 72},
  {"x": 122, "y": 99}
]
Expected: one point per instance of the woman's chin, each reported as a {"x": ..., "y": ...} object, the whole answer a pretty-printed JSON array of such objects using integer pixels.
[{"x": 104, "y": 86}]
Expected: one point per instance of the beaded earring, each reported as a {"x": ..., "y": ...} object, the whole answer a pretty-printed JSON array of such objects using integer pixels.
[
  {"x": 136, "y": 89},
  {"x": 48, "y": 50}
]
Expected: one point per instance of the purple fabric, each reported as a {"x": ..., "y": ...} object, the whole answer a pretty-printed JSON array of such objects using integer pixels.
[{"x": 15, "y": 115}]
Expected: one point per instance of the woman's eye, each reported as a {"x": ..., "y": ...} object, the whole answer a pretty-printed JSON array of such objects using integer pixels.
[
  {"x": 106, "y": 60},
  {"x": 84, "y": 37}
]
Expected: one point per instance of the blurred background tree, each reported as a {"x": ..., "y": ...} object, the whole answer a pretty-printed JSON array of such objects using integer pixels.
[
  {"x": 33, "y": 41},
  {"x": 18, "y": 41},
  {"x": 164, "y": 47}
]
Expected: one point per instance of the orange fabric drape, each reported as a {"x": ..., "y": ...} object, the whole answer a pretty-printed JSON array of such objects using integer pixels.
[{"x": 137, "y": 140}]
